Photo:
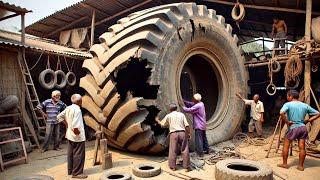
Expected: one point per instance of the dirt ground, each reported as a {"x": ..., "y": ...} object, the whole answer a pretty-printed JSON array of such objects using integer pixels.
[{"x": 53, "y": 163}]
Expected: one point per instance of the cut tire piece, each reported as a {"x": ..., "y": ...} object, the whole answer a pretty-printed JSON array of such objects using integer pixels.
[
  {"x": 71, "y": 78},
  {"x": 169, "y": 38},
  {"x": 111, "y": 175},
  {"x": 52, "y": 79},
  {"x": 146, "y": 170},
  {"x": 63, "y": 82},
  {"x": 242, "y": 169}
]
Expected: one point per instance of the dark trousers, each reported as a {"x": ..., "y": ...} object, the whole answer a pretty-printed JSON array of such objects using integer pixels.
[
  {"x": 201, "y": 141},
  {"x": 52, "y": 131},
  {"x": 178, "y": 143},
  {"x": 76, "y": 157}
]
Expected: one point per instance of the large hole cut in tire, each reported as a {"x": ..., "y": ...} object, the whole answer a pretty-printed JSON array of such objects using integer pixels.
[{"x": 159, "y": 56}]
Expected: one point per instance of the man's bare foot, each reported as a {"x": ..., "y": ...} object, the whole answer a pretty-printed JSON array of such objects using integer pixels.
[
  {"x": 300, "y": 168},
  {"x": 283, "y": 166},
  {"x": 188, "y": 169}
]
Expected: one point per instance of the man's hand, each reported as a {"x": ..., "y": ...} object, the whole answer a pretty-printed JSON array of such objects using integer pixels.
[
  {"x": 76, "y": 131},
  {"x": 239, "y": 96},
  {"x": 289, "y": 123},
  {"x": 45, "y": 115},
  {"x": 262, "y": 120}
]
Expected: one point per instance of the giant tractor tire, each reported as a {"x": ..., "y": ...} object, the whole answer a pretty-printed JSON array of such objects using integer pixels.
[{"x": 159, "y": 56}]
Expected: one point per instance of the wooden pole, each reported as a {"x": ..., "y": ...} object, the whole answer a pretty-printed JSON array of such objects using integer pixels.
[
  {"x": 23, "y": 32},
  {"x": 307, "y": 66},
  {"x": 273, "y": 137},
  {"x": 92, "y": 27}
]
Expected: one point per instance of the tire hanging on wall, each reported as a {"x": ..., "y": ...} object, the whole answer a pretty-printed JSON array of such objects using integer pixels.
[
  {"x": 63, "y": 81},
  {"x": 71, "y": 78},
  {"x": 166, "y": 37},
  {"x": 52, "y": 79}
]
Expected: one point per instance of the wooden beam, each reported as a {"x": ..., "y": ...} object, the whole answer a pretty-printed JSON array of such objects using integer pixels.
[
  {"x": 122, "y": 12},
  {"x": 23, "y": 30},
  {"x": 269, "y": 8},
  {"x": 307, "y": 64},
  {"x": 10, "y": 16},
  {"x": 23, "y": 11},
  {"x": 65, "y": 27}
]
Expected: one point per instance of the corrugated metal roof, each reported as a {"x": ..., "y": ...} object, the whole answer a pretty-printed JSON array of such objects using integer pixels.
[
  {"x": 14, "y": 39},
  {"x": 113, "y": 10},
  {"x": 257, "y": 22},
  {"x": 13, "y": 8}
]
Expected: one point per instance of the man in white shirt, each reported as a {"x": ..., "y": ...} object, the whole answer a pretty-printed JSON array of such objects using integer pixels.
[
  {"x": 256, "y": 114},
  {"x": 72, "y": 117},
  {"x": 179, "y": 135}
]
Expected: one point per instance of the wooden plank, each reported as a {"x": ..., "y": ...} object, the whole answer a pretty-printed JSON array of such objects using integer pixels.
[
  {"x": 96, "y": 147},
  {"x": 10, "y": 115},
  {"x": 23, "y": 30},
  {"x": 269, "y": 8},
  {"x": 10, "y": 16},
  {"x": 13, "y": 161},
  {"x": 93, "y": 20},
  {"x": 1, "y": 162}
]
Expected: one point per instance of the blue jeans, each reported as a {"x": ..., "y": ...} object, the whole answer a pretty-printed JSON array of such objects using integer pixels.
[
  {"x": 201, "y": 142},
  {"x": 52, "y": 131}
]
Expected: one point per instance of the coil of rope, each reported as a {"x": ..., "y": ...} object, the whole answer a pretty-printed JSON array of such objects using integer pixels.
[{"x": 292, "y": 71}]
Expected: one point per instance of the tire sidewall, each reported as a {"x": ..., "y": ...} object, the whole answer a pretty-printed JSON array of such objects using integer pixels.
[{"x": 216, "y": 40}]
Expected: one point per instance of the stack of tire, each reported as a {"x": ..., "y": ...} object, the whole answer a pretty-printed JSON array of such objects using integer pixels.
[{"x": 48, "y": 79}]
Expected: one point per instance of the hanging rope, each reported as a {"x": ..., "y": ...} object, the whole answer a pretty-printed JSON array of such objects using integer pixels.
[
  {"x": 36, "y": 62},
  {"x": 69, "y": 69},
  {"x": 58, "y": 64},
  {"x": 48, "y": 62},
  {"x": 292, "y": 71}
]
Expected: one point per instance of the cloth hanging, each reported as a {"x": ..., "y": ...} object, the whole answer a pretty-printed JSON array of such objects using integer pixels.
[
  {"x": 78, "y": 36},
  {"x": 64, "y": 37}
]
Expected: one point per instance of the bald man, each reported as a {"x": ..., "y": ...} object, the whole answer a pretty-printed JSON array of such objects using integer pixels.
[{"x": 256, "y": 114}]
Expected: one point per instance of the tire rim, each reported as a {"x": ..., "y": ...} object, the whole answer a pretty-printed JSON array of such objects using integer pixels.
[{"x": 208, "y": 57}]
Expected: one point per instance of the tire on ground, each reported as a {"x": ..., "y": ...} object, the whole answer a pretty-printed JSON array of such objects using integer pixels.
[
  {"x": 146, "y": 170},
  {"x": 52, "y": 79},
  {"x": 107, "y": 175},
  {"x": 230, "y": 169},
  {"x": 174, "y": 39}
]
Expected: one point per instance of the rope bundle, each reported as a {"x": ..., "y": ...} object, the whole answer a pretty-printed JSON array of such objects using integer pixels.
[{"x": 293, "y": 70}]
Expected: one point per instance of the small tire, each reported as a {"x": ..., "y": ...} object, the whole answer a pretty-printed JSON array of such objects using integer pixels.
[
  {"x": 229, "y": 169},
  {"x": 34, "y": 177},
  {"x": 71, "y": 78},
  {"x": 115, "y": 175},
  {"x": 146, "y": 170},
  {"x": 63, "y": 81},
  {"x": 241, "y": 15},
  {"x": 52, "y": 81}
]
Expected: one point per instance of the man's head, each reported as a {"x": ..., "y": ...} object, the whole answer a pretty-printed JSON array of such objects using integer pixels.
[
  {"x": 197, "y": 97},
  {"x": 275, "y": 20},
  {"x": 292, "y": 95},
  {"x": 76, "y": 99},
  {"x": 173, "y": 107},
  {"x": 55, "y": 95},
  {"x": 256, "y": 97}
]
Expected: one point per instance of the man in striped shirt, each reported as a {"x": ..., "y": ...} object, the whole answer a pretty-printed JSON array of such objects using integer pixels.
[{"x": 50, "y": 108}]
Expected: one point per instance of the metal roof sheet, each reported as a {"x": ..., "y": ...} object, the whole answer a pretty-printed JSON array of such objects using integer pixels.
[
  {"x": 13, "y": 8},
  {"x": 14, "y": 39}
]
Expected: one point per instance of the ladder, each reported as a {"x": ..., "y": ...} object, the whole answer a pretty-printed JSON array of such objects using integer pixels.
[
  {"x": 285, "y": 49},
  {"x": 32, "y": 96}
]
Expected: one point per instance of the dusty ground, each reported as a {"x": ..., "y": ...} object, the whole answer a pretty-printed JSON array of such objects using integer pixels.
[{"x": 53, "y": 163}]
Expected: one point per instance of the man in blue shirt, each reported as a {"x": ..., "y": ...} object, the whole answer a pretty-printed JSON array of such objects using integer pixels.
[
  {"x": 50, "y": 108},
  {"x": 296, "y": 112}
]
